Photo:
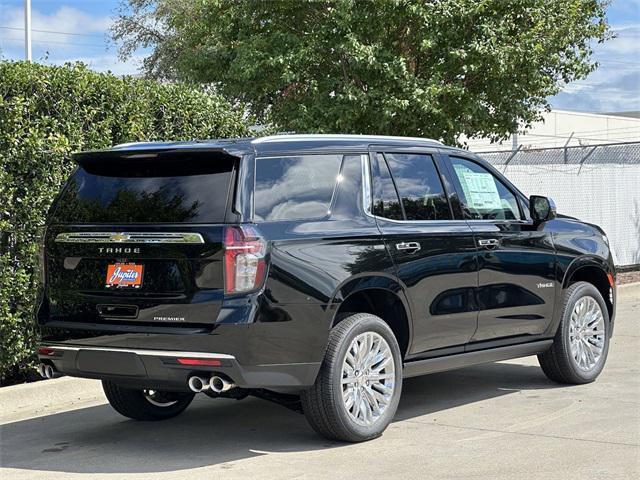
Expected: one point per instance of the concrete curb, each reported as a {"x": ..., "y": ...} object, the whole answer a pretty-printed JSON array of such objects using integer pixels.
[
  {"x": 59, "y": 394},
  {"x": 629, "y": 285}
]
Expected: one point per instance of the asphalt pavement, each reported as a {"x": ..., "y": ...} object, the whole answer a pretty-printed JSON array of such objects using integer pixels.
[{"x": 501, "y": 420}]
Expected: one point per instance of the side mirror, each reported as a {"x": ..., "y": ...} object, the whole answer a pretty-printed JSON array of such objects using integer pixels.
[{"x": 542, "y": 208}]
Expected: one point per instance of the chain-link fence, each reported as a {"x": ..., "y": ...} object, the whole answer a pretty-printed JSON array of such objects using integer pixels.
[{"x": 597, "y": 183}]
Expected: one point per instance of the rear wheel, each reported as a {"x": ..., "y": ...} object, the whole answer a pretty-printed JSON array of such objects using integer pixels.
[
  {"x": 358, "y": 388},
  {"x": 144, "y": 404},
  {"x": 581, "y": 344}
]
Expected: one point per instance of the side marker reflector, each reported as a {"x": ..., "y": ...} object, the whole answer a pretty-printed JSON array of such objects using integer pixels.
[
  {"x": 47, "y": 351},
  {"x": 207, "y": 362},
  {"x": 610, "y": 278}
]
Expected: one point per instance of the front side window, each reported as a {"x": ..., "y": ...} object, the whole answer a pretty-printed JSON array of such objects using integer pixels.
[
  {"x": 419, "y": 186},
  {"x": 295, "y": 188},
  {"x": 484, "y": 197}
]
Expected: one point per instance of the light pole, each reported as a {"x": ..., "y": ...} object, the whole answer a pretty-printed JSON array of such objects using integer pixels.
[{"x": 27, "y": 30}]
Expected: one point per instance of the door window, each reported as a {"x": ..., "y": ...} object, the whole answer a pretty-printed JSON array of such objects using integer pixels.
[
  {"x": 484, "y": 197},
  {"x": 419, "y": 186},
  {"x": 385, "y": 198}
]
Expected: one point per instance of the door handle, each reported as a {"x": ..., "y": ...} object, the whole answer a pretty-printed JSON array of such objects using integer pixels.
[
  {"x": 413, "y": 246},
  {"x": 488, "y": 242}
]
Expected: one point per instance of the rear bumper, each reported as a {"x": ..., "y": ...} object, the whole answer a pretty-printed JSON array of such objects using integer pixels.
[
  {"x": 277, "y": 346},
  {"x": 160, "y": 369}
]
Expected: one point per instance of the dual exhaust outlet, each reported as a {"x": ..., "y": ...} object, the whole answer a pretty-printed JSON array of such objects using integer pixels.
[
  {"x": 197, "y": 384},
  {"x": 216, "y": 384},
  {"x": 48, "y": 371}
]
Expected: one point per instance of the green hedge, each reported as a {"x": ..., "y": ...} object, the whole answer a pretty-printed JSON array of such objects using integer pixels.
[{"x": 46, "y": 113}]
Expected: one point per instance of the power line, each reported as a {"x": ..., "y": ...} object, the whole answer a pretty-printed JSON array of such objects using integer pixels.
[
  {"x": 545, "y": 143},
  {"x": 54, "y": 31},
  {"x": 47, "y": 42},
  {"x": 619, "y": 61}
]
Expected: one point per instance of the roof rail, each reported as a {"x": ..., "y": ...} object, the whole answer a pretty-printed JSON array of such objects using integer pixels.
[{"x": 321, "y": 136}]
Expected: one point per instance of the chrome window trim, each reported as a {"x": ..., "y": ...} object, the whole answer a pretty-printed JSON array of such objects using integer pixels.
[
  {"x": 366, "y": 199},
  {"x": 130, "y": 237},
  {"x": 366, "y": 184},
  {"x": 143, "y": 352}
]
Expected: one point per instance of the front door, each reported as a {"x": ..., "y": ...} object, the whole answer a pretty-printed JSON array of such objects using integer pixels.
[
  {"x": 516, "y": 261},
  {"x": 435, "y": 256}
]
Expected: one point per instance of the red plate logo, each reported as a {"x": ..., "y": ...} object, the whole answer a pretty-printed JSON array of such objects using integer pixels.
[{"x": 121, "y": 275}]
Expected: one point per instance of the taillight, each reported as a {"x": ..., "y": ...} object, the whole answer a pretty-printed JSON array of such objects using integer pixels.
[{"x": 244, "y": 259}]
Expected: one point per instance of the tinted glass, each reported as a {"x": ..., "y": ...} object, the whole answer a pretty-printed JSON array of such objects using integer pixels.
[
  {"x": 295, "y": 188},
  {"x": 419, "y": 186},
  {"x": 187, "y": 188},
  {"x": 484, "y": 197},
  {"x": 385, "y": 198},
  {"x": 348, "y": 202}
]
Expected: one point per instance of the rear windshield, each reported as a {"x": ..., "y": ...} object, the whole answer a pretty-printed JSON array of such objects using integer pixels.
[{"x": 185, "y": 188}]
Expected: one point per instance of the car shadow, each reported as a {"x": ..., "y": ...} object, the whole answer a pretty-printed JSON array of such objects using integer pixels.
[{"x": 212, "y": 432}]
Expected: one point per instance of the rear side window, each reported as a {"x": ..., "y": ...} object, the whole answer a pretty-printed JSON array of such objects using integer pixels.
[
  {"x": 296, "y": 187},
  {"x": 171, "y": 189},
  {"x": 419, "y": 186}
]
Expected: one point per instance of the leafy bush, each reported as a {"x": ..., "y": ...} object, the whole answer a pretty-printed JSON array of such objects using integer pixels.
[{"x": 46, "y": 113}]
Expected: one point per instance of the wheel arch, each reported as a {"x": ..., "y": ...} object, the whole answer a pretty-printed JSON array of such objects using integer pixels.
[
  {"x": 378, "y": 295},
  {"x": 596, "y": 272}
]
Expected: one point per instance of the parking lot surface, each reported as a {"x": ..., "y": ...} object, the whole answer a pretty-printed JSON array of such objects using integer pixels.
[{"x": 502, "y": 420}]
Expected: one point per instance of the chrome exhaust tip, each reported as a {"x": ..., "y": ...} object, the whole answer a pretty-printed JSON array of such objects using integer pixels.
[
  {"x": 198, "y": 384},
  {"x": 220, "y": 384},
  {"x": 48, "y": 371}
]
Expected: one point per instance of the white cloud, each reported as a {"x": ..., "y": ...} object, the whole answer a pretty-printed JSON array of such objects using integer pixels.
[
  {"x": 615, "y": 85},
  {"x": 107, "y": 62},
  {"x": 89, "y": 44},
  {"x": 65, "y": 19}
]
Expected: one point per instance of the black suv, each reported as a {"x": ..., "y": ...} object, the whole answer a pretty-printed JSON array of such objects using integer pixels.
[{"x": 317, "y": 271}]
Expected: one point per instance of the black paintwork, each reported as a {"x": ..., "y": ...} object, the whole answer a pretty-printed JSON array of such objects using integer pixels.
[{"x": 457, "y": 296}]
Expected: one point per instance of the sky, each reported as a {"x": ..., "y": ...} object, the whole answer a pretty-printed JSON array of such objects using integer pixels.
[{"x": 82, "y": 26}]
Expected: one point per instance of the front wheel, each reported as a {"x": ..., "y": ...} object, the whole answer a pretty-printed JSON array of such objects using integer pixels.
[
  {"x": 357, "y": 390},
  {"x": 581, "y": 344},
  {"x": 142, "y": 404}
]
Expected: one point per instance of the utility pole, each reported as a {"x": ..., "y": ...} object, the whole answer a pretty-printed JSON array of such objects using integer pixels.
[{"x": 27, "y": 30}]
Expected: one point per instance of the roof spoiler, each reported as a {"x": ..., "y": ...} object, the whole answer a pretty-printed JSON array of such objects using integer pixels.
[{"x": 95, "y": 157}]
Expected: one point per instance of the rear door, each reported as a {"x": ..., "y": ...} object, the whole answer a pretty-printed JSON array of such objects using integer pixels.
[
  {"x": 140, "y": 240},
  {"x": 516, "y": 261},
  {"x": 434, "y": 254}
]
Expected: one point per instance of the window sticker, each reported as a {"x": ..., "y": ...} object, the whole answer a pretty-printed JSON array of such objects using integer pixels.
[{"x": 479, "y": 189}]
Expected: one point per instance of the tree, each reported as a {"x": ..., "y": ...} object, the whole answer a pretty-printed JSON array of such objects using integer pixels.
[{"x": 435, "y": 69}]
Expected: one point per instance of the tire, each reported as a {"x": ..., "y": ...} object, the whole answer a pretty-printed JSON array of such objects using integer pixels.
[
  {"x": 323, "y": 404},
  {"x": 146, "y": 405},
  {"x": 563, "y": 364}
]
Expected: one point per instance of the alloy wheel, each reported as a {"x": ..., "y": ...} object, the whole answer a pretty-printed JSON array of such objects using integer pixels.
[
  {"x": 587, "y": 333},
  {"x": 159, "y": 399},
  {"x": 368, "y": 378}
]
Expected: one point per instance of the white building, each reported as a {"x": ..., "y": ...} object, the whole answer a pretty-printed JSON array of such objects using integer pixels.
[{"x": 564, "y": 127}]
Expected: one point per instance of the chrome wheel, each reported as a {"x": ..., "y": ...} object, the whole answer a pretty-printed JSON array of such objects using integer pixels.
[
  {"x": 368, "y": 378},
  {"x": 587, "y": 333},
  {"x": 159, "y": 399}
]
